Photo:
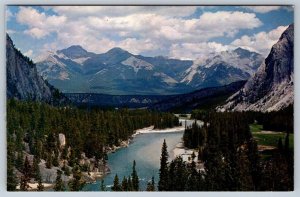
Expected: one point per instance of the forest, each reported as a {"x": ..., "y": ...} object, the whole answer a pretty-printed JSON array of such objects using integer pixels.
[
  {"x": 225, "y": 146},
  {"x": 229, "y": 152},
  {"x": 33, "y": 129}
]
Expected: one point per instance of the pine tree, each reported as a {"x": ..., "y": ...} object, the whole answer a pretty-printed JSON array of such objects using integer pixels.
[
  {"x": 135, "y": 178},
  {"x": 191, "y": 184},
  {"x": 20, "y": 160},
  {"x": 40, "y": 186},
  {"x": 124, "y": 184},
  {"x": 151, "y": 185},
  {"x": 163, "y": 171},
  {"x": 25, "y": 178},
  {"x": 49, "y": 160},
  {"x": 287, "y": 143},
  {"x": 102, "y": 186},
  {"x": 129, "y": 184},
  {"x": 59, "y": 185},
  {"x": 36, "y": 169},
  {"x": 55, "y": 161},
  {"x": 116, "y": 187},
  {"x": 279, "y": 144},
  {"x": 76, "y": 184},
  {"x": 11, "y": 177}
]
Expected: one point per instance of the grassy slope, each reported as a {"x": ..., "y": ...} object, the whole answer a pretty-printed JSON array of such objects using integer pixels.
[{"x": 269, "y": 139}]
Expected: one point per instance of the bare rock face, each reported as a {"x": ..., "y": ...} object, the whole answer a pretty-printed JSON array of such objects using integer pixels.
[
  {"x": 62, "y": 140},
  {"x": 23, "y": 80},
  {"x": 272, "y": 87}
]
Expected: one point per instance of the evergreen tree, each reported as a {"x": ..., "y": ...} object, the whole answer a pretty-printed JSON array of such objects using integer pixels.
[
  {"x": 287, "y": 143},
  {"x": 134, "y": 178},
  {"x": 151, "y": 185},
  {"x": 36, "y": 169},
  {"x": 20, "y": 160},
  {"x": 163, "y": 171},
  {"x": 279, "y": 144},
  {"x": 59, "y": 184},
  {"x": 11, "y": 177},
  {"x": 49, "y": 160},
  {"x": 255, "y": 168},
  {"x": 40, "y": 186},
  {"x": 124, "y": 184},
  {"x": 102, "y": 186},
  {"x": 25, "y": 178},
  {"x": 116, "y": 187},
  {"x": 129, "y": 184},
  {"x": 76, "y": 184},
  {"x": 191, "y": 184},
  {"x": 55, "y": 161}
]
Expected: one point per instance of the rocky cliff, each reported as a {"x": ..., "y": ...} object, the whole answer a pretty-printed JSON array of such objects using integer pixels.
[
  {"x": 272, "y": 87},
  {"x": 23, "y": 80}
]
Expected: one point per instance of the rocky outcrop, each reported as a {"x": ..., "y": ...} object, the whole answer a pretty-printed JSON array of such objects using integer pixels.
[
  {"x": 23, "y": 80},
  {"x": 62, "y": 140},
  {"x": 272, "y": 87}
]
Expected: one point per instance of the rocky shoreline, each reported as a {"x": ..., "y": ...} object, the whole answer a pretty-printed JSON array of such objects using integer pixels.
[{"x": 49, "y": 175}]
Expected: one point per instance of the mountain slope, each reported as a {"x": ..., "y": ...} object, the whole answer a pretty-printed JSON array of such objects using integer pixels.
[
  {"x": 206, "y": 98},
  {"x": 114, "y": 72},
  {"x": 118, "y": 72},
  {"x": 23, "y": 80},
  {"x": 272, "y": 87},
  {"x": 222, "y": 68}
]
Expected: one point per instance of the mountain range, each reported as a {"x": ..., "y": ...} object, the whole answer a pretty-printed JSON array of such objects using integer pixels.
[
  {"x": 272, "y": 86},
  {"x": 118, "y": 72}
]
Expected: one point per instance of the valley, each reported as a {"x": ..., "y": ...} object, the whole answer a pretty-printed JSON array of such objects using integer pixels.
[{"x": 181, "y": 113}]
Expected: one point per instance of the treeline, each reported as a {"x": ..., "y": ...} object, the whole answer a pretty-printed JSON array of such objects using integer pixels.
[
  {"x": 230, "y": 155},
  {"x": 282, "y": 120},
  {"x": 129, "y": 184},
  {"x": 33, "y": 128}
]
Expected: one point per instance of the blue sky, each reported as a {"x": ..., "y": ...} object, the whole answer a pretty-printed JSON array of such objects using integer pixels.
[{"x": 185, "y": 32}]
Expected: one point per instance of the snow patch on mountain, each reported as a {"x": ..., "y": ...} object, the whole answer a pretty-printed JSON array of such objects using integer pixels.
[
  {"x": 137, "y": 64},
  {"x": 80, "y": 60},
  {"x": 190, "y": 72},
  {"x": 222, "y": 68}
]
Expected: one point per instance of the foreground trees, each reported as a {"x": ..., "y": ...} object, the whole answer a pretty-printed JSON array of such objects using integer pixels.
[
  {"x": 33, "y": 127},
  {"x": 128, "y": 184},
  {"x": 163, "y": 171},
  {"x": 230, "y": 156}
]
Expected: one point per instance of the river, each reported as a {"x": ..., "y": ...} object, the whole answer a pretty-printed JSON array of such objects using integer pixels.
[{"x": 145, "y": 149}]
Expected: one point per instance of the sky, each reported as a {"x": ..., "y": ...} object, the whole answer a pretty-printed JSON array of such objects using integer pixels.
[{"x": 183, "y": 32}]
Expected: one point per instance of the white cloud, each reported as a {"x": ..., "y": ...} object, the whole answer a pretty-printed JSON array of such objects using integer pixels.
[
  {"x": 29, "y": 53},
  {"x": 36, "y": 32},
  {"x": 8, "y": 14},
  {"x": 196, "y": 50},
  {"x": 115, "y": 11},
  {"x": 10, "y": 31},
  {"x": 137, "y": 29},
  {"x": 40, "y": 24},
  {"x": 262, "y": 9},
  {"x": 225, "y": 23},
  {"x": 137, "y": 46},
  {"x": 261, "y": 42}
]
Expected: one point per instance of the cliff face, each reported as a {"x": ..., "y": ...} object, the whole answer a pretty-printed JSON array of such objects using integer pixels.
[
  {"x": 272, "y": 87},
  {"x": 23, "y": 80}
]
